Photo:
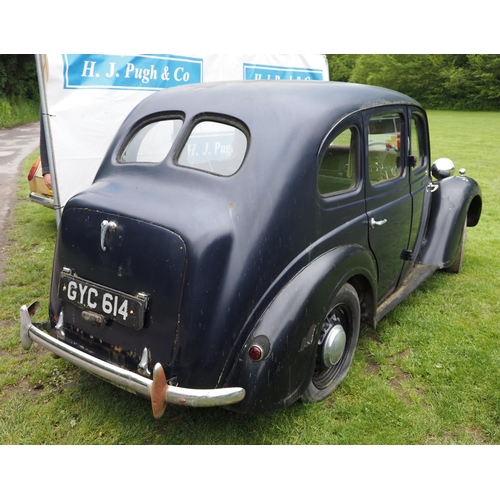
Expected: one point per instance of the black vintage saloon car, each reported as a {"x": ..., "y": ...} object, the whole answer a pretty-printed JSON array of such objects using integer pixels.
[{"x": 238, "y": 233}]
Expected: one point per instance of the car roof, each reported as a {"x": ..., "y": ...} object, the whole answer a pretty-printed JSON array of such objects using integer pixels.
[
  {"x": 310, "y": 100},
  {"x": 287, "y": 123}
]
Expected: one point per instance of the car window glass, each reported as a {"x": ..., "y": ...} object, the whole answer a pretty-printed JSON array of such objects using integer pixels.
[
  {"x": 384, "y": 144},
  {"x": 215, "y": 147},
  {"x": 338, "y": 168},
  {"x": 414, "y": 142},
  {"x": 152, "y": 142},
  {"x": 417, "y": 143}
]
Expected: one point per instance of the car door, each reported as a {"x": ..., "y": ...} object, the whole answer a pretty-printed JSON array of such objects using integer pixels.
[
  {"x": 418, "y": 161},
  {"x": 387, "y": 190}
]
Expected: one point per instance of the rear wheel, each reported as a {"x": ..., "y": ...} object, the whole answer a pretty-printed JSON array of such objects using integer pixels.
[{"x": 336, "y": 345}]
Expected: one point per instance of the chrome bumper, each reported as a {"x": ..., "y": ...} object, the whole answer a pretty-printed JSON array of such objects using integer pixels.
[
  {"x": 157, "y": 389},
  {"x": 42, "y": 200}
]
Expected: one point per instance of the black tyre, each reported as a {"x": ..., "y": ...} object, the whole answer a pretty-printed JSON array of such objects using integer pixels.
[
  {"x": 336, "y": 345},
  {"x": 456, "y": 267}
]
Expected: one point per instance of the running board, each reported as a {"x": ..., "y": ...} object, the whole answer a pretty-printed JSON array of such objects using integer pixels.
[{"x": 416, "y": 277}]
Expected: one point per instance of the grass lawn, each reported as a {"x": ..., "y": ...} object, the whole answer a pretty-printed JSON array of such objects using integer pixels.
[{"x": 430, "y": 374}]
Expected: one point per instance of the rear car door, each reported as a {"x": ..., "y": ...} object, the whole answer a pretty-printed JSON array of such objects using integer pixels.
[{"x": 388, "y": 198}]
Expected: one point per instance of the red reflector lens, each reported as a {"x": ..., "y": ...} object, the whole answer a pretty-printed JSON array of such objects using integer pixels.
[
  {"x": 255, "y": 352},
  {"x": 33, "y": 169},
  {"x": 32, "y": 173}
]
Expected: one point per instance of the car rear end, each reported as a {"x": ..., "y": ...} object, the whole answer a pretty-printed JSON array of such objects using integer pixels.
[{"x": 121, "y": 265}]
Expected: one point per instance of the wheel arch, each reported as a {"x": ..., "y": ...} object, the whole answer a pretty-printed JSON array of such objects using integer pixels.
[
  {"x": 457, "y": 202},
  {"x": 290, "y": 327},
  {"x": 474, "y": 211},
  {"x": 367, "y": 297}
]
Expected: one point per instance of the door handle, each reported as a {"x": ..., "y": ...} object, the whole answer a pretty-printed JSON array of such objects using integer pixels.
[
  {"x": 374, "y": 223},
  {"x": 105, "y": 227}
]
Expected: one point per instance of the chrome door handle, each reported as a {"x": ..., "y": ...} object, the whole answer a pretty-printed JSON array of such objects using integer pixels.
[{"x": 374, "y": 223}]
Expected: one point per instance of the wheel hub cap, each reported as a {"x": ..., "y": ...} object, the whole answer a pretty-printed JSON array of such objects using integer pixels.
[{"x": 334, "y": 345}]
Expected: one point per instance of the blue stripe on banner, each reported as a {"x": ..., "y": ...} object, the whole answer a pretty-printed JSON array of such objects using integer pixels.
[{"x": 122, "y": 72}]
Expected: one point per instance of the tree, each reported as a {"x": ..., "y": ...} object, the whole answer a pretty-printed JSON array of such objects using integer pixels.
[
  {"x": 417, "y": 75},
  {"x": 18, "y": 79},
  {"x": 486, "y": 76},
  {"x": 340, "y": 66},
  {"x": 438, "y": 81}
]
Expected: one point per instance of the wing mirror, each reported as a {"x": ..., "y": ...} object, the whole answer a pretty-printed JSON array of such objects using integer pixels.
[{"x": 442, "y": 168}]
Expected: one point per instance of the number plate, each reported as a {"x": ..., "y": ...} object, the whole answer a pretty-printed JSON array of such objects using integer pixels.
[{"x": 112, "y": 304}]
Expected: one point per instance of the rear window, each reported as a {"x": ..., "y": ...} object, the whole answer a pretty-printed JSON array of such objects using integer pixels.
[
  {"x": 151, "y": 143},
  {"x": 215, "y": 147}
]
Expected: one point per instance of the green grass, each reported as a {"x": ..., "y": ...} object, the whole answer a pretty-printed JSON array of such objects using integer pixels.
[{"x": 430, "y": 374}]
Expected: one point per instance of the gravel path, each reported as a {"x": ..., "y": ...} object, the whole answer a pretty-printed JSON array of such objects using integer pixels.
[{"x": 16, "y": 144}]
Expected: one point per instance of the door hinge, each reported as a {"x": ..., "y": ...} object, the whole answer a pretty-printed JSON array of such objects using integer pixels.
[{"x": 407, "y": 255}]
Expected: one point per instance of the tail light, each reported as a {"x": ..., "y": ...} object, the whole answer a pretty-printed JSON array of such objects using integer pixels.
[
  {"x": 259, "y": 349},
  {"x": 33, "y": 169},
  {"x": 256, "y": 353}
]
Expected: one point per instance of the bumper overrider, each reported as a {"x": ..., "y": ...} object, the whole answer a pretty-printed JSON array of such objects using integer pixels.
[{"x": 157, "y": 389}]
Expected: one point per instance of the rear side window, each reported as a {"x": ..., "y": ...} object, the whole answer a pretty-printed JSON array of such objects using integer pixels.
[
  {"x": 151, "y": 143},
  {"x": 215, "y": 147},
  {"x": 338, "y": 170}
]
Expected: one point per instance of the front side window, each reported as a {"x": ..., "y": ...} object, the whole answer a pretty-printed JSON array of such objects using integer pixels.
[
  {"x": 384, "y": 147},
  {"x": 215, "y": 147},
  {"x": 418, "y": 150},
  {"x": 151, "y": 143},
  {"x": 338, "y": 169}
]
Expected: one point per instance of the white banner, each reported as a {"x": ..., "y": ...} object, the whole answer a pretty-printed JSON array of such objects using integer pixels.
[{"x": 86, "y": 97}]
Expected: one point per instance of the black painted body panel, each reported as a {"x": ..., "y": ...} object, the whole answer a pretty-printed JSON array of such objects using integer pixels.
[{"x": 450, "y": 210}]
